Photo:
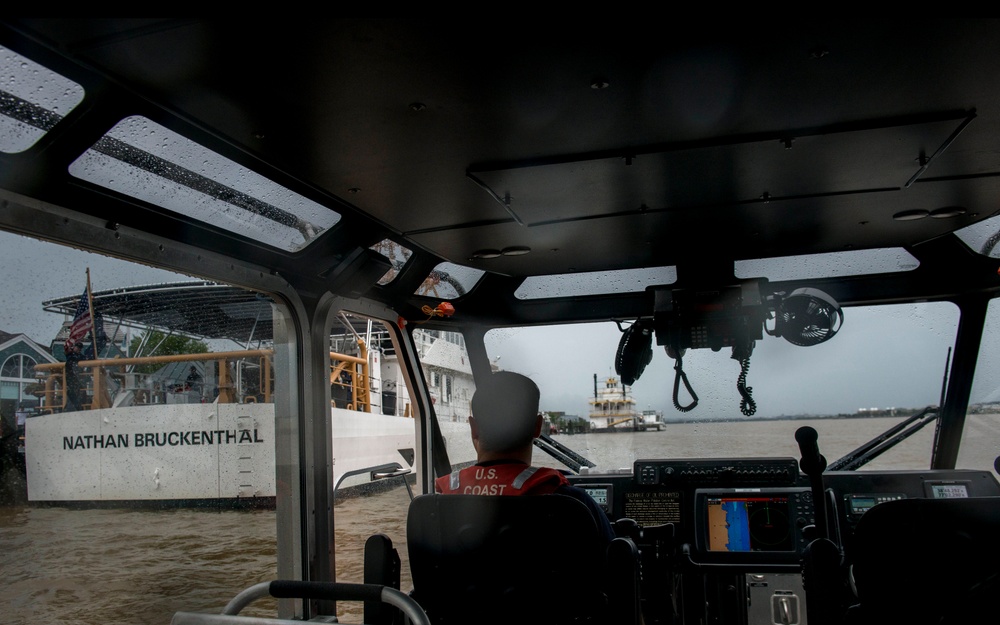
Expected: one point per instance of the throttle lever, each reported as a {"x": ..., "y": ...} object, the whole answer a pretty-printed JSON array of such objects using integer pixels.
[
  {"x": 813, "y": 464},
  {"x": 822, "y": 559},
  {"x": 812, "y": 461}
]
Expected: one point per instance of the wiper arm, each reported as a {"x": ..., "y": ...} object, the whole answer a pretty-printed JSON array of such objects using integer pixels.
[
  {"x": 884, "y": 441},
  {"x": 562, "y": 453}
]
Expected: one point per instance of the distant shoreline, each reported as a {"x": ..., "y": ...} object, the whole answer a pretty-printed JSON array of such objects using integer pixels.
[
  {"x": 808, "y": 417},
  {"x": 901, "y": 414}
]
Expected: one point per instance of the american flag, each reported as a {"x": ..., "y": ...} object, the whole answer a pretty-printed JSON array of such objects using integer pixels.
[{"x": 81, "y": 322}]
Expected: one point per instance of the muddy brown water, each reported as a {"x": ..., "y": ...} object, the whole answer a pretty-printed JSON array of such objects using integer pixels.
[{"x": 106, "y": 567}]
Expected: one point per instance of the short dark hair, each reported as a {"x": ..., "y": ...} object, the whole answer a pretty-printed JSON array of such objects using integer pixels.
[{"x": 505, "y": 406}]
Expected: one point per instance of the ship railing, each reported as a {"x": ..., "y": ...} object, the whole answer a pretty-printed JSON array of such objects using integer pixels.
[
  {"x": 350, "y": 374},
  {"x": 103, "y": 381},
  {"x": 109, "y": 379}
]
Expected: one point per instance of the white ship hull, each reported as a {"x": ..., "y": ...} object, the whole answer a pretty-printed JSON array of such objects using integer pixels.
[{"x": 192, "y": 452}]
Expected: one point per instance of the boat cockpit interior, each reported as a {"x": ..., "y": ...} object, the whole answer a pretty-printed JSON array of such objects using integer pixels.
[{"x": 701, "y": 188}]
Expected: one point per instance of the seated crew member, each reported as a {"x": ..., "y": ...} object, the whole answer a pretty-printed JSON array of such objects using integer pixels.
[
  {"x": 193, "y": 379},
  {"x": 504, "y": 423}
]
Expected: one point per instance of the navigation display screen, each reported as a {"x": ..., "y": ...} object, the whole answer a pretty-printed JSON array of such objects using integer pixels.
[
  {"x": 752, "y": 523},
  {"x": 601, "y": 493},
  {"x": 949, "y": 491}
]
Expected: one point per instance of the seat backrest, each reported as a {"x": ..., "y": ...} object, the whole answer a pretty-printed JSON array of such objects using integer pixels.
[
  {"x": 479, "y": 559},
  {"x": 926, "y": 560}
]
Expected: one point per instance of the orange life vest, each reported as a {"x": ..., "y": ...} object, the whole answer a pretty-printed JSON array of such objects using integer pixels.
[{"x": 501, "y": 479}]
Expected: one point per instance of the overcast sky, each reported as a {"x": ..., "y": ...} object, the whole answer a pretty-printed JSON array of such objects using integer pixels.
[
  {"x": 886, "y": 357},
  {"x": 34, "y": 272},
  {"x": 890, "y": 356}
]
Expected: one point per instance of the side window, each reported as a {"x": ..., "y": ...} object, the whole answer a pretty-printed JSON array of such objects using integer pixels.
[
  {"x": 374, "y": 432},
  {"x": 978, "y": 446},
  {"x": 147, "y": 473}
]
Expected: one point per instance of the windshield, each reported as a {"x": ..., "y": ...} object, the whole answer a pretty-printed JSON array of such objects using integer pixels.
[
  {"x": 982, "y": 430},
  {"x": 885, "y": 364}
]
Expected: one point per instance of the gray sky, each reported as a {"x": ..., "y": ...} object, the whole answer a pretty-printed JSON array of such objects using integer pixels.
[{"x": 35, "y": 271}]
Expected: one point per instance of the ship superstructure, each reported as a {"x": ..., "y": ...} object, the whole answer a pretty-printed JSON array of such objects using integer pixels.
[{"x": 613, "y": 406}]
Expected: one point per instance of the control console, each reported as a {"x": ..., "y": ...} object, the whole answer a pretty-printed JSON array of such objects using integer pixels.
[
  {"x": 729, "y": 533},
  {"x": 722, "y": 472},
  {"x": 765, "y": 502}
]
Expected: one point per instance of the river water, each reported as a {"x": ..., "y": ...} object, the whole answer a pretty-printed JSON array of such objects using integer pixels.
[{"x": 140, "y": 566}]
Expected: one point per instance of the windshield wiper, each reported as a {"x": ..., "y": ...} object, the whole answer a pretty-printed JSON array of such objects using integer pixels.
[
  {"x": 562, "y": 453},
  {"x": 884, "y": 441}
]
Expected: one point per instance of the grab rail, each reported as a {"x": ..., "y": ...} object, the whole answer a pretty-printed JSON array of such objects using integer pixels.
[{"x": 292, "y": 589}]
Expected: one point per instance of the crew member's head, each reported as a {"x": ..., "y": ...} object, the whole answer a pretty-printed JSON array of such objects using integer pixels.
[{"x": 505, "y": 417}]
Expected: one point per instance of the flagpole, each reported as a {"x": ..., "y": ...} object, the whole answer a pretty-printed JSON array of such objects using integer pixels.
[
  {"x": 98, "y": 393},
  {"x": 93, "y": 321}
]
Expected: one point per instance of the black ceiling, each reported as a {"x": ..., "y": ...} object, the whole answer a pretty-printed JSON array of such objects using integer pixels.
[{"x": 613, "y": 144}]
